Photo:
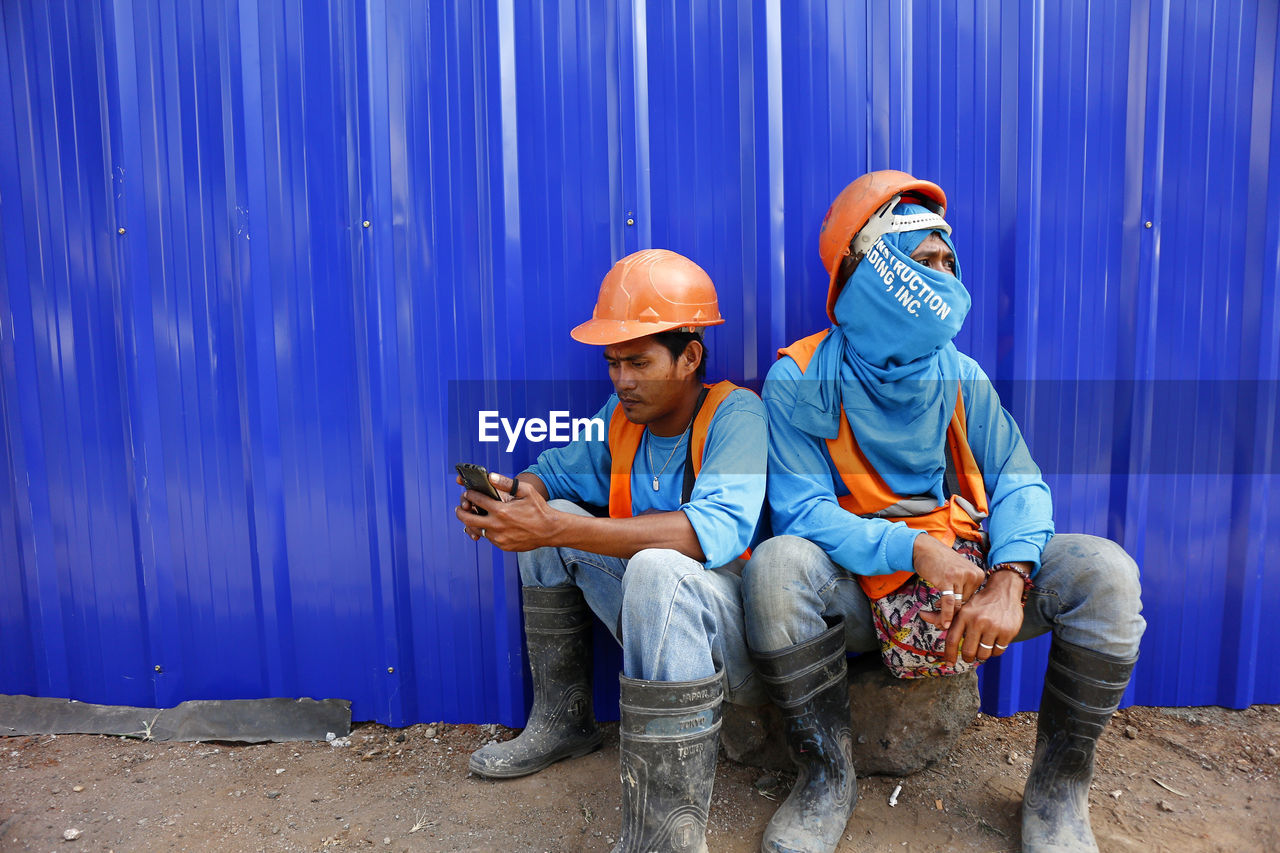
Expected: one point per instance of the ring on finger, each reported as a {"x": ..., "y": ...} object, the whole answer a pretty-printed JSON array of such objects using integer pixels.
[
  {"x": 1000, "y": 647},
  {"x": 985, "y": 646},
  {"x": 949, "y": 592},
  {"x": 482, "y": 533}
]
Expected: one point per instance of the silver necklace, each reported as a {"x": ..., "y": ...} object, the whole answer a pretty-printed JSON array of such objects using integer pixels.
[{"x": 649, "y": 457}]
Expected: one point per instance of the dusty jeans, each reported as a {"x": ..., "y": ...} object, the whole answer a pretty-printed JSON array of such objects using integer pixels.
[
  {"x": 1086, "y": 592},
  {"x": 676, "y": 620}
]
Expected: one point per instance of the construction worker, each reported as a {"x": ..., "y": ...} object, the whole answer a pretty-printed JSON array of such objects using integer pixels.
[
  {"x": 888, "y": 449},
  {"x": 683, "y": 477}
]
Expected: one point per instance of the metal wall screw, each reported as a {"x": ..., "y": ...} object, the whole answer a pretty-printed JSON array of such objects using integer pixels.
[
  {"x": 1148, "y": 224},
  {"x": 120, "y": 230},
  {"x": 390, "y": 669},
  {"x": 159, "y": 668},
  {"x": 367, "y": 223},
  {"x": 631, "y": 222}
]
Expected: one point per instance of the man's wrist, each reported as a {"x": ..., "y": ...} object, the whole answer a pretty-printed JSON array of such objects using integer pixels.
[
  {"x": 559, "y": 530},
  {"x": 1015, "y": 576},
  {"x": 909, "y": 542},
  {"x": 1007, "y": 586}
]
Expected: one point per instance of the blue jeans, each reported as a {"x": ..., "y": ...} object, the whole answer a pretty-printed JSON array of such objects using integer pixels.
[
  {"x": 1086, "y": 593},
  {"x": 675, "y": 619}
]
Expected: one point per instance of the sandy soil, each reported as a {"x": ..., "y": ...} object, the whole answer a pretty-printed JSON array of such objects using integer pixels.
[{"x": 1168, "y": 779}]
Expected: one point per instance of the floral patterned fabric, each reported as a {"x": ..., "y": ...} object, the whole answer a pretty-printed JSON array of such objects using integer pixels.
[{"x": 910, "y": 646}]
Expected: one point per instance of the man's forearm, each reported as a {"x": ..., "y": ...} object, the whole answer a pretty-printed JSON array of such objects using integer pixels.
[
  {"x": 624, "y": 537},
  {"x": 536, "y": 482}
]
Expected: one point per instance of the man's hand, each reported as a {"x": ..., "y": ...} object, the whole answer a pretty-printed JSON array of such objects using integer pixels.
[
  {"x": 948, "y": 571},
  {"x": 465, "y": 512},
  {"x": 987, "y": 623},
  {"x": 521, "y": 521}
]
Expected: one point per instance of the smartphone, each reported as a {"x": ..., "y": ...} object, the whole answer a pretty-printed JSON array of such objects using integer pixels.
[{"x": 477, "y": 480}]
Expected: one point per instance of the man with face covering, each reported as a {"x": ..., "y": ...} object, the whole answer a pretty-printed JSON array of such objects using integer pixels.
[{"x": 888, "y": 448}]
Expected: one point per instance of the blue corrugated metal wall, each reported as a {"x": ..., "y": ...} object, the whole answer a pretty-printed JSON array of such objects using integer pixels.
[{"x": 252, "y": 250}]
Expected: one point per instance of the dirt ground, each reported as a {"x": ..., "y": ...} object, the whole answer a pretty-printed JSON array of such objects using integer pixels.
[{"x": 1168, "y": 779}]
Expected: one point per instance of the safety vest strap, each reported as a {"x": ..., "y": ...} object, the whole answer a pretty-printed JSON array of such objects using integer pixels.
[
  {"x": 624, "y": 444},
  {"x": 960, "y": 516},
  {"x": 802, "y": 350}
]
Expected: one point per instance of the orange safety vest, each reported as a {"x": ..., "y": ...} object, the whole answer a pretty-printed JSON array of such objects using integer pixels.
[
  {"x": 868, "y": 494},
  {"x": 624, "y": 443}
]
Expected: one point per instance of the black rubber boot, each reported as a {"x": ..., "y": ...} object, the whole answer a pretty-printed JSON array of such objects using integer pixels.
[
  {"x": 808, "y": 684},
  {"x": 562, "y": 723},
  {"x": 668, "y": 737},
  {"x": 1082, "y": 689}
]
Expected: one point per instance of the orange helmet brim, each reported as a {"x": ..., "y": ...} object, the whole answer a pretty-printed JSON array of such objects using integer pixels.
[{"x": 600, "y": 332}]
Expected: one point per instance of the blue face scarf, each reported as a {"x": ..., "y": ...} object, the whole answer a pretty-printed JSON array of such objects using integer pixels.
[{"x": 891, "y": 359}]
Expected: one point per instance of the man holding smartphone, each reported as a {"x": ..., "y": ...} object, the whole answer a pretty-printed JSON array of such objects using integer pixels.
[{"x": 683, "y": 476}]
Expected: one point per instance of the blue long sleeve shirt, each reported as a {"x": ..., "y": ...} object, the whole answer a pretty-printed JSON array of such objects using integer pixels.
[
  {"x": 728, "y": 494},
  {"x": 804, "y": 484}
]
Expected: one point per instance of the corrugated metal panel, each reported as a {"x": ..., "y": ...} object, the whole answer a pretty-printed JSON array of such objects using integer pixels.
[{"x": 229, "y": 429}]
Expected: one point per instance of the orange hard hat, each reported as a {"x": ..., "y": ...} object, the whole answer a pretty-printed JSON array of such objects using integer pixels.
[
  {"x": 863, "y": 213},
  {"x": 650, "y": 291}
]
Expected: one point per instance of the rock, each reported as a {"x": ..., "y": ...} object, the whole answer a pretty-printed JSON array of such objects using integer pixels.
[
  {"x": 766, "y": 782},
  {"x": 752, "y": 735},
  {"x": 70, "y": 834},
  {"x": 900, "y": 726},
  {"x": 430, "y": 732},
  {"x": 1130, "y": 732},
  {"x": 909, "y": 724},
  {"x": 1165, "y": 806}
]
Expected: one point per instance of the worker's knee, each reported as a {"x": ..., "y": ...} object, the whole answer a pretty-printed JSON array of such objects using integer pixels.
[
  {"x": 657, "y": 575},
  {"x": 1090, "y": 590},
  {"x": 784, "y": 563}
]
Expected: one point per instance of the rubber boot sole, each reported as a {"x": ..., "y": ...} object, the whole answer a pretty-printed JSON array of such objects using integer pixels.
[{"x": 574, "y": 751}]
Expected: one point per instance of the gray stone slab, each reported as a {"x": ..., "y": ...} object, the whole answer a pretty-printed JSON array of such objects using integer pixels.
[
  {"x": 900, "y": 726},
  {"x": 237, "y": 720}
]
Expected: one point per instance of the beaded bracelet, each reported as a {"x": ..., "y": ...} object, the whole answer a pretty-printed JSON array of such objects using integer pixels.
[{"x": 1027, "y": 585}]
